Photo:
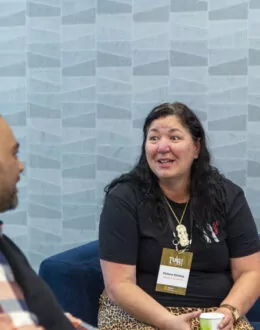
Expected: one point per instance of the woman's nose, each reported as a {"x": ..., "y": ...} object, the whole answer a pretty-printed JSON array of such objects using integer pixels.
[{"x": 163, "y": 146}]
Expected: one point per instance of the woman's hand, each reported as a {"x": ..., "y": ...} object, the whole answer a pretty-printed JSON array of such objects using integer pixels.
[
  {"x": 180, "y": 322},
  {"x": 75, "y": 321},
  {"x": 227, "y": 321}
]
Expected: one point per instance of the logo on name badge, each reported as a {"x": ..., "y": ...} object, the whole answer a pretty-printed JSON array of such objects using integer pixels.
[{"x": 176, "y": 261}]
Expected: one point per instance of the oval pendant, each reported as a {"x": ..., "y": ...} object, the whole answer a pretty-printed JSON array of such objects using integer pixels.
[{"x": 182, "y": 235}]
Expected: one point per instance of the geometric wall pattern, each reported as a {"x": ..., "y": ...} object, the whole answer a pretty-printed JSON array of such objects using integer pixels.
[{"x": 77, "y": 79}]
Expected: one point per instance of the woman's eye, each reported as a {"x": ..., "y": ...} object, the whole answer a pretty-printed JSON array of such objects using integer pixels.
[
  {"x": 175, "y": 138},
  {"x": 153, "y": 138}
]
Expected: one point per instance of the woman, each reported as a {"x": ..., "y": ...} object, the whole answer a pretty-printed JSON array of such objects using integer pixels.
[{"x": 175, "y": 202}]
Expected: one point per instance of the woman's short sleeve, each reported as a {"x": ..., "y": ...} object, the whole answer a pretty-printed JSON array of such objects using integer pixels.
[
  {"x": 118, "y": 229},
  {"x": 241, "y": 229}
]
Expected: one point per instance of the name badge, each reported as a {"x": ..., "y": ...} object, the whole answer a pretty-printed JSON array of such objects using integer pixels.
[{"x": 174, "y": 272}]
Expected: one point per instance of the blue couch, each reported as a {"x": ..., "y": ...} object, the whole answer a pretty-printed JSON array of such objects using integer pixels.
[{"x": 75, "y": 278}]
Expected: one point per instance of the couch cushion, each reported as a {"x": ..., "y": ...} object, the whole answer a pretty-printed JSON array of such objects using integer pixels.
[
  {"x": 256, "y": 325},
  {"x": 254, "y": 313},
  {"x": 76, "y": 279}
]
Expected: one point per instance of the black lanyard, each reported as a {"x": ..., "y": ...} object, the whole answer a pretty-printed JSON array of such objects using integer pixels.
[{"x": 172, "y": 224}]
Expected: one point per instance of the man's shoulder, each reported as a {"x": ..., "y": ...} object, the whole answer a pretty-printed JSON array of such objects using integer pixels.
[
  {"x": 11, "y": 250},
  {"x": 9, "y": 241}
]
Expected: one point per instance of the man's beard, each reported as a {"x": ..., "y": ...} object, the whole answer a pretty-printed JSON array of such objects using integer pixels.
[
  {"x": 14, "y": 202},
  {"x": 8, "y": 201}
]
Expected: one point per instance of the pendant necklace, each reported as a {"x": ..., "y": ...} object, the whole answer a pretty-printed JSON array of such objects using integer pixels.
[{"x": 180, "y": 228}]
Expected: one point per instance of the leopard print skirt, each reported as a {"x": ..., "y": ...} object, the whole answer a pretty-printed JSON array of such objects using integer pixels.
[{"x": 112, "y": 317}]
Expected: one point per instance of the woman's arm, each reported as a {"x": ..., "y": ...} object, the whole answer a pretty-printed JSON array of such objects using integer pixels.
[
  {"x": 246, "y": 288},
  {"x": 120, "y": 285}
]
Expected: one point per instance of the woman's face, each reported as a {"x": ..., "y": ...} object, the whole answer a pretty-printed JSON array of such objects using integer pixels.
[{"x": 170, "y": 149}]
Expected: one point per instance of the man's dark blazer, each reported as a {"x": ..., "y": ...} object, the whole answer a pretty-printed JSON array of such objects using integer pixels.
[{"x": 38, "y": 296}]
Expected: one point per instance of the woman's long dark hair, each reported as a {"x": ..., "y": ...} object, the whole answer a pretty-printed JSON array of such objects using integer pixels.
[{"x": 207, "y": 193}]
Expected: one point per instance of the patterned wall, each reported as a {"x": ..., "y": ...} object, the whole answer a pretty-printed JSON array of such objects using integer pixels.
[{"x": 77, "y": 77}]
